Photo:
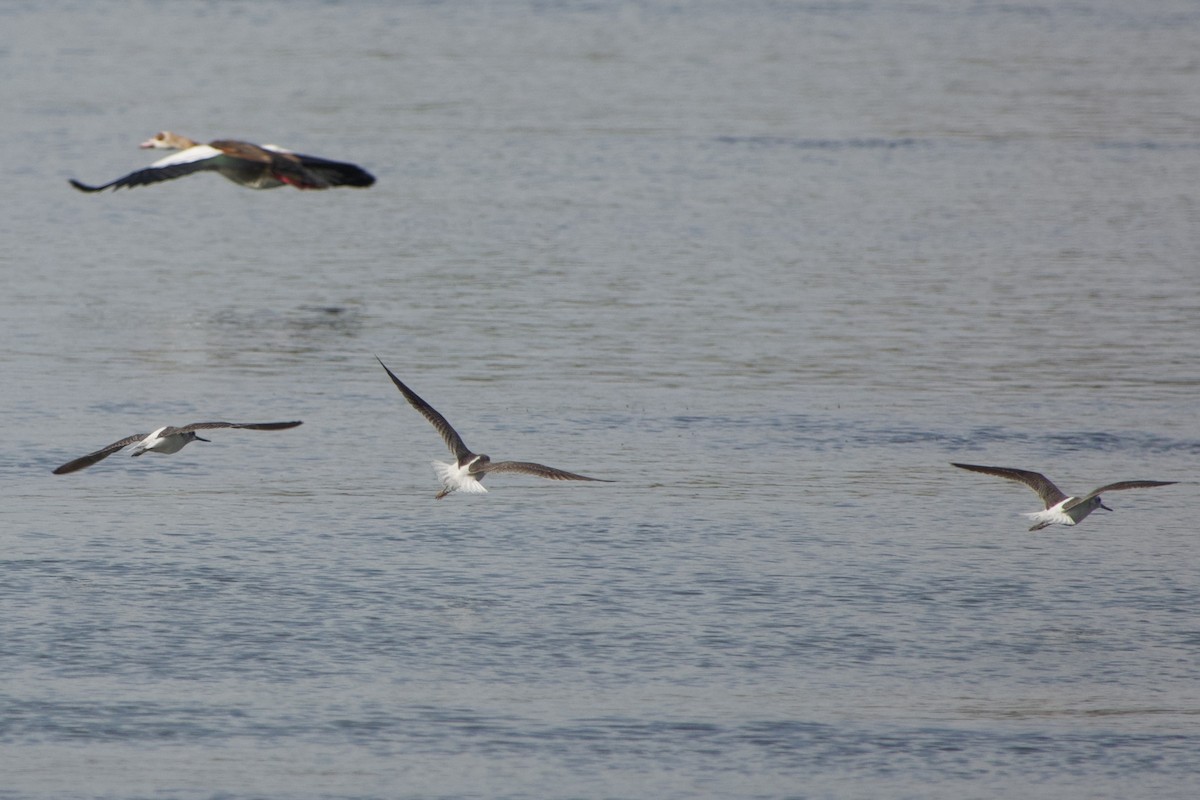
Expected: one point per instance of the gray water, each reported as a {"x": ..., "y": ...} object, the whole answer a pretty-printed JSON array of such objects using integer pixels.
[{"x": 770, "y": 266}]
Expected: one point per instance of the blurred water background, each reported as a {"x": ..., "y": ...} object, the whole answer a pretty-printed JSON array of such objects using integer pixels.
[{"x": 769, "y": 265}]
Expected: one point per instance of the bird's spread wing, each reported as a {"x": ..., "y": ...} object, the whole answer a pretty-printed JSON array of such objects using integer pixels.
[
  {"x": 529, "y": 468},
  {"x": 1049, "y": 493},
  {"x": 306, "y": 172},
  {"x": 99, "y": 455},
  {"x": 144, "y": 177},
  {"x": 185, "y": 162},
  {"x": 1115, "y": 487},
  {"x": 173, "y": 166},
  {"x": 334, "y": 173},
  {"x": 254, "y": 426},
  {"x": 337, "y": 173},
  {"x": 449, "y": 435}
]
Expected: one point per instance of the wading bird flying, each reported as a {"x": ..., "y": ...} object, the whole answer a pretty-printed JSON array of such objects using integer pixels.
[
  {"x": 166, "y": 440},
  {"x": 470, "y": 468},
  {"x": 1060, "y": 509}
]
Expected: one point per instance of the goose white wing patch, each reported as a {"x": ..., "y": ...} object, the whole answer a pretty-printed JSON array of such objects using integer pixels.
[{"x": 197, "y": 153}]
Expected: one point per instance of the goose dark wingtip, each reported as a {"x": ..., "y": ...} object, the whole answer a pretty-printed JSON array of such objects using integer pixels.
[
  {"x": 83, "y": 187},
  {"x": 355, "y": 177}
]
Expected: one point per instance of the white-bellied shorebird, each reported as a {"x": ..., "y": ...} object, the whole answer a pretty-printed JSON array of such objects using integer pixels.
[
  {"x": 166, "y": 440},
  {"x": 255, "y": 166},
  {"x": 470, "y": 468},
  {"x": 1060, "y": 509}
]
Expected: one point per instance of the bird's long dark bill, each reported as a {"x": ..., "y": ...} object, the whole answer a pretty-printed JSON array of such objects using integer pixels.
[{"x": 1106, "y": 508}]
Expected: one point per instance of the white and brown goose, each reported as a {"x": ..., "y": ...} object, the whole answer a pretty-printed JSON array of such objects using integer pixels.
[
  {"x": 166, "y": 439},
  {"x": 255, "y": 166},
  {"x": 1060, "y": 508},
  {"x": 468, "y": 469}
]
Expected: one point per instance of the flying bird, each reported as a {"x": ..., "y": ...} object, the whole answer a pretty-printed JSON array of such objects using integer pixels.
[
  {"x": 255, "y": 166},
  {"x": 166, "y": 440},
  {"x": 471, "y": 468},
  {"x": 1060, "y": 509}
]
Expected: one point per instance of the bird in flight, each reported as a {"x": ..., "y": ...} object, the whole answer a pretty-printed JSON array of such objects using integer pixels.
[
  {"x": 255, "y": 166},
  {"x": 1060, "y": 509},
  {"x": 470, "y": 468},
  {"x": 166, "y": 440}
]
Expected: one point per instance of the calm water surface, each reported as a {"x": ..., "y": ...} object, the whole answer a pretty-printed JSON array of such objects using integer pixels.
[{"x": 768, "y": 265}]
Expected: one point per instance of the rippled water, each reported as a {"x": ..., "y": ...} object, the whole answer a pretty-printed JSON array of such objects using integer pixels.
[{"x": 768, "y": 265}]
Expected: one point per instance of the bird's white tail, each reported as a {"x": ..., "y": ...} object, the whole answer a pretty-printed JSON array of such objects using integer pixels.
[
  {"x": 1048, "y": 517},
  {"x": 455, "y": 478}
]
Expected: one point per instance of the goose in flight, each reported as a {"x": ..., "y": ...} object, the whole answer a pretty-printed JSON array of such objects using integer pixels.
[
  {"x": 1060, "y": 509},
  {"x": 470, "y": 468},
  {"x": 255, "y": 166},
  {"x": 166, "y": 440}
]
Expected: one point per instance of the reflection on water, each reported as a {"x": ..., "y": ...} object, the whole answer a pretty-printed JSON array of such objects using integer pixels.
[{"x": 303, "y": 330}]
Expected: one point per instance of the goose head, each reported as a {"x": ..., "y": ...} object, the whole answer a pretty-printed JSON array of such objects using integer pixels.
[{"x": 165, "y": 140}]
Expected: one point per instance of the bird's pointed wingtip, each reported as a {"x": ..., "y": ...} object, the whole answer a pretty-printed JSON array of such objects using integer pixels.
[
  {"x": 83, "y": 187},
  {"x": 391, "y": 374}
]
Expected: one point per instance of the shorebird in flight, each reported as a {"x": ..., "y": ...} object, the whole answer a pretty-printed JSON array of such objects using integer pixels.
[
  {"x": 166, "y": 440},
  {"x": 1060, "y": 509},
  {"x": 470, "y": 468},
  {"x": 255, "y": 166}
]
